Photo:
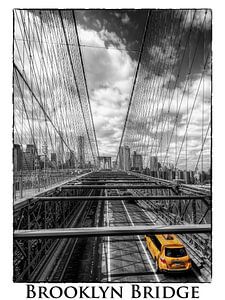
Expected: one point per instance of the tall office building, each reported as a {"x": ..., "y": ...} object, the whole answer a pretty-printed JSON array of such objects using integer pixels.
[
  {"x": 54, "y": 160},
  {"x": 31, "y": 149},
  {"x": 29, "y": 157},
  {"x": 60, "y": 149},
  {"x": 114, "y": 165},
  {"x": 80, "y": 152},
  {"x": 137, "y": 163},
  {"x": 70, "y": 159},
  {"x": 124, "y": 158},
  {"x": 53, "y": 157},
  {"x": 154, "y": 163},
  {"x": 17, "y": 157},
  {"x": 104, "y": 162}
]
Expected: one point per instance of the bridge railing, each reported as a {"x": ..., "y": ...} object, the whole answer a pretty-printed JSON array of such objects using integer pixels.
[
  {"x": 32, "y": 214},
  {"x": 29, "y": 183}
]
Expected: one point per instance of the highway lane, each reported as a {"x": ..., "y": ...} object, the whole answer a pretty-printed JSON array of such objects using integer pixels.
[
  {"x": 125, "y": 256},
  {"x": 127, "y": 259}
]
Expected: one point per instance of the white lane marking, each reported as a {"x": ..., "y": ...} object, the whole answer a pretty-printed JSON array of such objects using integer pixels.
[
  {"x": 143, "y": 247},
  {"x": 108, "y": 243}
]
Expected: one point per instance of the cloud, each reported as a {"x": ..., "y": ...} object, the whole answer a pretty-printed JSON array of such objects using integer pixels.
[
  {"x": 163, "y": 56},
  {"x": 123, "y": 16},
  {"x": 199, "y": 16},
  {"x": 109, "y": 74},
  {"x": 98, "y": 24},
  {"x": 164, "y": 118},
  {"x": 118, "y": 15},
  {"x": 125, "y": 19}
]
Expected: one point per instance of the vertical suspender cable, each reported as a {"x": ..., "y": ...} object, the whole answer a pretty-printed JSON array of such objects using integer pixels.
[
  {"x": 134, "y": 84},
  {"x": 72, "y": 68},
  {"x": 85, "y": 81}
]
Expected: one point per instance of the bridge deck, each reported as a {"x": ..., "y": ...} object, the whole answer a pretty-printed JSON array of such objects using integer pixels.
[{"x": 112, "y": 221}]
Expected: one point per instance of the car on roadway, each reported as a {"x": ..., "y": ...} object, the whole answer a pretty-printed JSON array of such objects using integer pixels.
[{"x": 168, "y": 252}]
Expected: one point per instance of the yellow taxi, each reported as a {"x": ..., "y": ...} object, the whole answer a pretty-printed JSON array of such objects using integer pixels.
[{"x": 168, "y": 252}]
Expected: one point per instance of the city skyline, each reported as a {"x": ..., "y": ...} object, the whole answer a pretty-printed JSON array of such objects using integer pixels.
[{"x": 107, "y": 38}]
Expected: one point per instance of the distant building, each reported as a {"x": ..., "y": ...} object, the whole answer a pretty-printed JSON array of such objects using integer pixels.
[
  {"x": 137, "y": 162},
  {"x": 31, "y": 149},
  {"x": 187, "y": 177},
  {"x": 53, "y": 157},
  {"x": 180, "y": 174},
  {"x": 29, "y": 157},
  {"x": 17, "y": 157},
  {"x": 154, "y": 166},
  {"x": 114, "y": 165},
  {"x": 124, "y": 158},
  {"x": 37, "y": 162},
  {"x": 104, "y": 162},
  {"x": 197, "y": 177},
  {"x": 192, "y": 173},
  {"x": 67, "y": 156},
  {"x": 60, "y": 149},
  {"x": 80, "y": 150},
  {"x": 45, "y": 149},
  {"x": 28, "y": 161},
  {"x": 70, "y": 159}
]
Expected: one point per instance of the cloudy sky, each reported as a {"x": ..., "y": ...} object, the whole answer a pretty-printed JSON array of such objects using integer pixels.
[
  {"x": 176, "y": 43},
  {"x": 111, "y": 42},
  {"x": 170, "y": 109}
]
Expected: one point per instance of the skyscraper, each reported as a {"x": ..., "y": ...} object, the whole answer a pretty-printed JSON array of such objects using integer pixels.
[
  {"x": 80, "y": 152},
  {"x": 104, "y": 162},
  {"x": 60, "y": 149},
  {"x": 53, "y": 157},
  {"x": 154, "y": 163},
  {"x": 70, "y": 159},
  {"x": 137, "y": 163},
  {"x": 54, "y": 160},
  {"x": 29, "y": 157},
  {"x": 17, "y": 157},
  {"x": 124, "y": 158}
]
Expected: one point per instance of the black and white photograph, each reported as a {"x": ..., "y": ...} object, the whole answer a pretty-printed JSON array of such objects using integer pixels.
[{"x": 112, "y": 145}]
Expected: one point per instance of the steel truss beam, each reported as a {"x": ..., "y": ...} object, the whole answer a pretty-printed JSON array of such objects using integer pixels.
[
  {"x": 183, "y": 187},
  {"x": 114, "y": 178},
  {"x": 154, "y": 198},
  {"x": 110, "y": 231},
  {"x": 86, "y": 182},
  {"x": 118, "y": 186}
]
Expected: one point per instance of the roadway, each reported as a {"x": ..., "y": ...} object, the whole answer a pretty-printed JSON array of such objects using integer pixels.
[
  {"x": 126, "y": 259},
  {"x": 108, "y": 258}
]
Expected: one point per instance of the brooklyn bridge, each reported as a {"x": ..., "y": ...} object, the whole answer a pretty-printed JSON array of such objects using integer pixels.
[{"x": 111, "y": 144}]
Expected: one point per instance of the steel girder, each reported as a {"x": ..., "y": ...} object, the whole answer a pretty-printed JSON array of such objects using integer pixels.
[
  {"x": 109, "y": 231},
  {"x": 34, "y": 214}
]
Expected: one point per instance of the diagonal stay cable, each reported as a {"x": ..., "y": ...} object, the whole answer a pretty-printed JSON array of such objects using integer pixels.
[
  {"x": 85, "y": 81},
  {"x": 135, "y": 79},
  {"x": 40, "y": 104},
  {"x": 193, "y": 105},
  {"x": 203, "y": 143},
  {"x": 74, "y": 76},
  {"x": 176, "y": 82},
  {"x": 185, "y": 86}
]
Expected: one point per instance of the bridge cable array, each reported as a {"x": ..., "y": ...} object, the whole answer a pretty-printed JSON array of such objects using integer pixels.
[{"x": 170, "y": 104}]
